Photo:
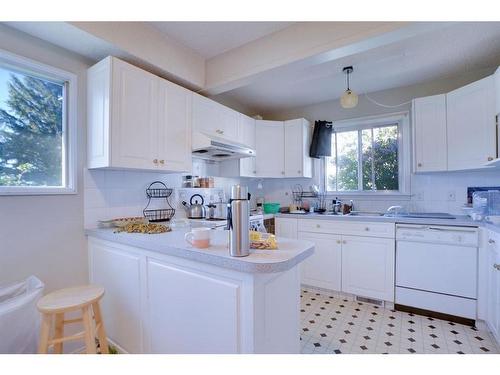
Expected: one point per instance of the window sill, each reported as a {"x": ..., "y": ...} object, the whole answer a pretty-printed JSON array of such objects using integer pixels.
[
  {"x": 373, "y": 195},
  {"x": 7, "y": 191}
]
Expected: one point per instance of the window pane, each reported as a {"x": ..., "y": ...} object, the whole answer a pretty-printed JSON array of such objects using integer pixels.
[
  {"x": 366, "y": 139},
  {"x": 31, "y": 130},
  {"x": 331, "y": 168},
  {"x": 385, "y": 157},
  {"x": 347, "y": 161}
]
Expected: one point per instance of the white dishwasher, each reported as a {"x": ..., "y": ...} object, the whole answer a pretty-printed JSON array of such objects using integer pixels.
[{"x": 436, "y": 269}]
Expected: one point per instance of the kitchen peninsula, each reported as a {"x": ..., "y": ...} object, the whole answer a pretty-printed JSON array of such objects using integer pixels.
[{"x": 164, "y": 296}]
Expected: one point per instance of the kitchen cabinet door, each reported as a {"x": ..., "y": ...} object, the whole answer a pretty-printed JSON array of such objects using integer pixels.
[
  {"x": 471, "y": 133},
  {"x": 270, "y": 148},
  {"x": 174, "y": 127},
  {"x": 368, "y": 267},
  {"x": 297, "y": 160},
  {"x": 248, "y": 167},
  {"x": 429, "y": 133},
  {"x": 214, "y": 119},
  {"x": 120, "y": 273},
  {"x": 134, "y": 114},
  {"x": 323, "y": 269},
  {"x": 286, "y": 227},
  {"x": 493, "y": 271},
  {"x": 206, "y": 320},
  {"x": 246, "y": 131}
]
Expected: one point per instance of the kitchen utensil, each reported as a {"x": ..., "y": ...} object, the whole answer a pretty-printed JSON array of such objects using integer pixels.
[
  {"x": 271, "y": 208},
  {"x": 238, "y": 214},
  {"x": 211, "y": 210},
  {"x": 196, "y": 209},
  {"x": 199, "y": 237}
]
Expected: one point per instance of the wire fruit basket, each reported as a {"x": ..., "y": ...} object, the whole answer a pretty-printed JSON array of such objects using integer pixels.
[{"x": 158, "y": 190}]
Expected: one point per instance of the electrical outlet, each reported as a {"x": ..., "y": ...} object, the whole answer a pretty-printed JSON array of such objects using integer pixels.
[{"x": 451, "y": 196}]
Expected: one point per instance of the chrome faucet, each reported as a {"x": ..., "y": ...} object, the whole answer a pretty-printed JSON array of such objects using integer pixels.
[{"x": 394, "y": 209}]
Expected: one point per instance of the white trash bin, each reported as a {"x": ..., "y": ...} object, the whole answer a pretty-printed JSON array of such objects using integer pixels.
[{"x": 19, "y": 317}]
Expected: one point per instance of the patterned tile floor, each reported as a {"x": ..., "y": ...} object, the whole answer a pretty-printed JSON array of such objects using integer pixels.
[{"x": 335, "y": 324}]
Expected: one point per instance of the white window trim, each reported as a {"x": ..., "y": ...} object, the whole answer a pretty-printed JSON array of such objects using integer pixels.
[
  {"x": 404, "y": 141},
  {"x": 69, "y": 125}
]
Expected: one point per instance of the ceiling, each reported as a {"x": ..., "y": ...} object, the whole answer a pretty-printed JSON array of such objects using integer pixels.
[
  {"x": 213, "y": 38},
  {"x": 454, "y": 50}
]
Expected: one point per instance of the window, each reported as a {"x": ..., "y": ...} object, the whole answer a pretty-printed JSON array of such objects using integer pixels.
[
  {"x": 367, "y": 157},
  {"x": 36, "y": 150}
]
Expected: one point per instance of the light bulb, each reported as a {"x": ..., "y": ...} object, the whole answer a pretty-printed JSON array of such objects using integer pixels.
[{"x": 349, "y": 99}]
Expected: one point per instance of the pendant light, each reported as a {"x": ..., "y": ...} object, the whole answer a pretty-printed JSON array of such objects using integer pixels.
[{"x": 349, "y": 99}]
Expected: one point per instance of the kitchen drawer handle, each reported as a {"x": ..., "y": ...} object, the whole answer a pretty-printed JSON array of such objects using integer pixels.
[
  {"x": 419, "y": 164},
  {"x": 318, "y": 226},
  {"x": 344, "y": 242},
  {"x": 338, "y": 241},
  {"x": 496, "y": 266},
  {"x": 367, "y": 229}
]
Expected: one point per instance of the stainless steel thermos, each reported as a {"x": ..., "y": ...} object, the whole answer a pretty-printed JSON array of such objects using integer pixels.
[{"x": 238, "y": 214}]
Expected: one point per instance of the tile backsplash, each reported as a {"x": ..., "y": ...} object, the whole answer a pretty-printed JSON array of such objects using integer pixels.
[{"x": 111, "y": 194}]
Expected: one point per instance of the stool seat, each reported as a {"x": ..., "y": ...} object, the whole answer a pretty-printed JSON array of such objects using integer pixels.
[
  {"x": 68, "y": 299},
  {"x": 55, "y": 305}
]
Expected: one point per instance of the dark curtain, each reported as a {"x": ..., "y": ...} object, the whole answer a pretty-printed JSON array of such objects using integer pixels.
[{"x": 321, "y": 144}]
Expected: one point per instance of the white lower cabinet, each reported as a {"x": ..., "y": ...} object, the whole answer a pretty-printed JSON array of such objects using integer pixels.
[
  {"x": 217, "y": 297},
  {"x": 493, "y": 289},
  {"x": 324, "y": 268},
  {"x": 349, "y": 256},
  {"x": 286, "y": 227},
  {"x": 368, "y": 267},
  {"x": 120, "y": 273}
]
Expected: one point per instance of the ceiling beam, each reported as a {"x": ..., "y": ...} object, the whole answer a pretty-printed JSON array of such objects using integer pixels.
[
  {"x": 300, "y": 45},
  {"x": 157, "y": 52}
]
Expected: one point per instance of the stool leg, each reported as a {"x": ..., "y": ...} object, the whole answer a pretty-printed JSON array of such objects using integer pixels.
[
  {"x": 59, "y": 332},
  {"x": 89, "y": 331},
  {"x": 101, "y": 332},
  {"x": 43, "y": 346}
]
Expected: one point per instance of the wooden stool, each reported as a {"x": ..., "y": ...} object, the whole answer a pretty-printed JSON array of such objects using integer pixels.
[{"x": 56, "y": 304}]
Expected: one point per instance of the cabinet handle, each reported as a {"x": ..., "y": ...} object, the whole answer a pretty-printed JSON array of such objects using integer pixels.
[
  {"x": 318, "y": 226},
  {"x": 155, "y": 161},
  {"x": 367, "y": 229},
  {"x": 282, "y": 172},
  {"x": 338, "y": 241},
  {"x": 162, "y": 161},
  {"x": 490, "y": 158},
  {"x": 344, "y": 242},
  {"x": 419, "y": 164},
  {"x": 298, "y": 172},
  {"x": 496, "y": 266},
  {"x": 254, "y": 172},
  {"x": 491, "y": 240}
]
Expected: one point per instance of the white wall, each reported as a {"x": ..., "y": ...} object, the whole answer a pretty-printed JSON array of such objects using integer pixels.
[
  {"x": 42, "y": 235},
  {"x": 429, "y": 191}
]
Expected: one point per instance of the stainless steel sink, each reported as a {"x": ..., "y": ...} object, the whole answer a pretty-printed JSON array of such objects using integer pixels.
[
  {"x": 421, "y": 215},
  {"x": 366, "y": 213}
]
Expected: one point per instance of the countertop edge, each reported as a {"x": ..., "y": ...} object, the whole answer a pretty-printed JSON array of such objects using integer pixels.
[{"x": 236, "y": 264}]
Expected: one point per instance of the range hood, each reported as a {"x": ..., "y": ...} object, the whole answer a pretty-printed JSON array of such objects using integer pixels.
[{"x": 214, "y": 148}]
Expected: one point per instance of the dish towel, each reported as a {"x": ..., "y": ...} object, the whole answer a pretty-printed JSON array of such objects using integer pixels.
[{"x": 321, "y": 144}]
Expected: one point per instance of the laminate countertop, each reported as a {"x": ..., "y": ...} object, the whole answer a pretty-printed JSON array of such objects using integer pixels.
[{"x": 289, "y": 253}]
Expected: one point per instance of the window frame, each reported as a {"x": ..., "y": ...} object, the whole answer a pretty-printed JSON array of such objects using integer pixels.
[
  {"x": 69, "y": 139},
  {"x": 402, "y": 119}
]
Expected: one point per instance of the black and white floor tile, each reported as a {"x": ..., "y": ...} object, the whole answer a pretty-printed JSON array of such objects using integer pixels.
[{"x": 335, "y": 324}]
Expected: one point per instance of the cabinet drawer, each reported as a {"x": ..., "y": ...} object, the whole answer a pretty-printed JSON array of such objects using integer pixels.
[{"x": 355, "y": 228}]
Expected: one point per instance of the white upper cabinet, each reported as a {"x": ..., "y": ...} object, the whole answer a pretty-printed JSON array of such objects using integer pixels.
[
  {"x": 429, "y": 134},
  {"x": 133, "y": 119},
  {"x": 214, "y": 119},
  {"x": 472, "y": 140},
  {"x": 174, "y": 150},
  {"x": 297, "y": 160},
  {"x": 246, "y": 131},
  {"x": 270, "y": 148},
  {"x": 497, "y": 90}
]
